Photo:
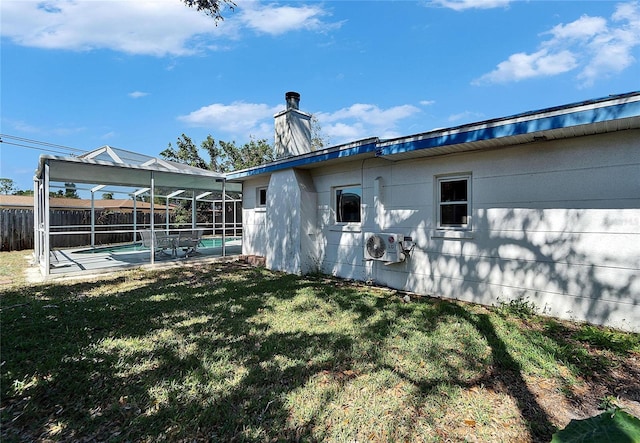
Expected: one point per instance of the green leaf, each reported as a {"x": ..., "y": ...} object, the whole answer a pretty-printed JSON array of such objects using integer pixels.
[{"x": 612, "y": 426}]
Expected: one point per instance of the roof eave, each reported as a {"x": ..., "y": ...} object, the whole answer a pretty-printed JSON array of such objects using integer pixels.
[
  {"x": 362, "y": 148},
  {"x": 443, "y": 144}
]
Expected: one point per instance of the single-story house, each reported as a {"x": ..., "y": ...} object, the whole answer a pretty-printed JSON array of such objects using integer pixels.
[{"x": 542, "y": 206}]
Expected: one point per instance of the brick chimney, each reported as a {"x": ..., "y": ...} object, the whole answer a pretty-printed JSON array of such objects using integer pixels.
[{"x": 292, "y": 129}]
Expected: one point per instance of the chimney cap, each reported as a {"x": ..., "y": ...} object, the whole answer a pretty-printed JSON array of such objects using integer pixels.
[{"x": 293, "y": 100}]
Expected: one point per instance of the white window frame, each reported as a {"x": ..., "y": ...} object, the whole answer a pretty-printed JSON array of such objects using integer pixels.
[
  {"x": 439, "y": 203},
  {"x": 259, "y": 190},
  {"x": 334, "y": 198}
]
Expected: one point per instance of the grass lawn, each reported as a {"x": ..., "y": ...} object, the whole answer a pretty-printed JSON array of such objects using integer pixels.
[{"x": 225, "y": 352}]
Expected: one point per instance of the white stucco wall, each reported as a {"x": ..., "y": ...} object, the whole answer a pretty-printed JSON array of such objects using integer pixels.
[
  {"x": 556, "y": 222},
  {"x": 284, "y": 230},
  {"x": 283, "y": 223},
  {"x": 254, "y": 218}
]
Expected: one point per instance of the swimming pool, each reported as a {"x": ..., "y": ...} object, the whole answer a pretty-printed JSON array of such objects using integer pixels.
[{"x": 209, "y": 242}]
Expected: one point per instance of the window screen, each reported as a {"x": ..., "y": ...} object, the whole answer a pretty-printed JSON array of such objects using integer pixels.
[
  {"x": 348, "y": 204},
  {"x": 453, "y": 202},
  {"x": 262, "y": 196}
]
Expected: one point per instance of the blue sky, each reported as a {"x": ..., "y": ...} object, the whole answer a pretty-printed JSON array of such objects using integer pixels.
[{"x": 136, "y": 74}]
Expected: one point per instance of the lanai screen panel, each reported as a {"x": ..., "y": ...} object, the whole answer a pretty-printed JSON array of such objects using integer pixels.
[{"x": 109, "y": 166}]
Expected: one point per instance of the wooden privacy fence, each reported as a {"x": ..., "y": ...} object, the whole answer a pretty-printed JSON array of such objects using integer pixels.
[{"x": 16, "y": 227}]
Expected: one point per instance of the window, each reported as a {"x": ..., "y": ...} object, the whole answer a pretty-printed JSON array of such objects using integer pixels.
[
  {"x": 454, "y": 210},
  {"x": 348, "y": 204},
  {"x": 261, "y": 196}
]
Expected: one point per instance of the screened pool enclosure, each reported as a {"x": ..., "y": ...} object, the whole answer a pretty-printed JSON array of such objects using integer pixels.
[{"x": 131, "y": 209}]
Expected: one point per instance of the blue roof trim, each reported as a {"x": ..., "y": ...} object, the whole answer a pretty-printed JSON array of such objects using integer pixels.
[
  {"x": 623, "y": 110},
  {"x": 492, "y": 129},
  {"x": 271, "y": 167}
]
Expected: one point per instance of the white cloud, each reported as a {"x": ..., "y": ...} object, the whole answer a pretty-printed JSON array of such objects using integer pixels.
[
  {"x": 150, "y": 27},
  {"x": 594, "y": 46},
  {"x": 26, "y": 127},
  {"x": 138, "y": 94},
  {"x": 462, "y": 5},
  {"x": 64, "y": 130},
  {"x": 275, "y": 20},
  {"x": 363, "y": 120},
  {"x": 465, "y": 116},
  {"x": 427, "y": 102},
  {"x": 521, "y": 66},
  {"x": 612, "y": 51},
  {"x": 23, "y": 126},
  {"x": 238, "y": 118},
  {"x": 583, "y": 28},
  {"x": 157, "y": 27},
  {"x": 342, "y": 132},
  {"x": 371, "y": 114}
]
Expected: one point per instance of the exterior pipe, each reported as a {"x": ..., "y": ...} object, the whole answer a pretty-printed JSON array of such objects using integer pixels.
[
  {"x": 166, "y": 215},
  {"x": 224, "y": 218},
  {"x": 193, "y": 211},
  {"x": 93, "y": 220},
  {"x": 151, "y": 223},
  {"x": 46, "y": 224},
  {"x": 135, "y": 220},
  {"x": 36, "y": 219}
]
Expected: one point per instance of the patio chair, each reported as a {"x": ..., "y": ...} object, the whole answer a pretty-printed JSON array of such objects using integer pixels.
[
  {"x": 189, "y": 241},
  {"x": 162, "y": 243}
]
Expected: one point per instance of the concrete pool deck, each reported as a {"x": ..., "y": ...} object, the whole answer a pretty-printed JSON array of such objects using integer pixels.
[{"x": 77, "y": 262}]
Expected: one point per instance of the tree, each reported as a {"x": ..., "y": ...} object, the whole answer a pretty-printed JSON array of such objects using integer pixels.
[
  {"x": 254, "y": 153},
  {"x": 213, "y": 8},
  {"x": 318, "y": 138},
  {"x": 187, "y": 153},
  {"x": 223, "y": 156},
  {"x": 107, "y": 196},
  {"x": 7, "y": 186},
  {"x": 70, "y": 190},
  {"x": 214, "y": 151}
]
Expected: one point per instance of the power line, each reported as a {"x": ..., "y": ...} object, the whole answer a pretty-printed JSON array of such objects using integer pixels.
[
  {"x": 28, "y": 140},
  {"x": 31, "y": 147},
  {"x": 42, "y": 146},
  {"x": 39, "y": 145}
]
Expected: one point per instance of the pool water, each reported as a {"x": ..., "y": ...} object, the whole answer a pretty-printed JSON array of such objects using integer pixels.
[{"x": 134, "y": 247}]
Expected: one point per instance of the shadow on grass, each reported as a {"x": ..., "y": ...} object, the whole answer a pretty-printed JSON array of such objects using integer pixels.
[
  {"x": 509, "y": 373},
  {"x": 503, "y": 372},
  {"x": 59, "y": 380},
  {"x": 209, "y": 355}
]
